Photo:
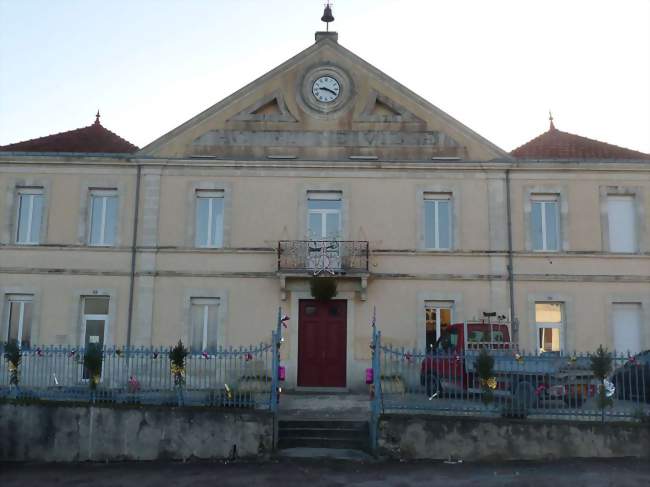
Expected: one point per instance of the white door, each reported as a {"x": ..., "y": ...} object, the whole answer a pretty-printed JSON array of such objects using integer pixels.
[{"x": 627, "y": 328}]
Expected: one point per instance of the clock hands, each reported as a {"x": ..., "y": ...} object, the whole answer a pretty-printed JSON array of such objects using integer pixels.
[{"x": 328, "y": 89}]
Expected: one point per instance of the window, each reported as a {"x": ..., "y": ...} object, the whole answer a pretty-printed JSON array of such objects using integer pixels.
[
  {"x": 437, "y": 221},
  {"x": 548, "y": 319},
  {"x": 621, "y": 221},
  {"x": 437, "y": 321},
  {"x": 545, "y": 222},
  {"x": 209, "y": 218},
  {"x": 204, "y": 324},
  {"x": 324, "y": 215},
  {"x": 30, "y": 215},
  {"x": 627, "y": 327},
  {"x": 20, "y": 319},
  {"x": 95, "y": 322},
  {"x": 103, "y": 217}
]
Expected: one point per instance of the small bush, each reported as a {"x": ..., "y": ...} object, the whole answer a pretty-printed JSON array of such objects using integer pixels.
[
  {"x": 177, "y": 356},
  {"x": 12, "y": 355},
  {"x": 485, "y": 370},
  {"x": 93, "y": 363},
  {"x": 323, "y": 288}
]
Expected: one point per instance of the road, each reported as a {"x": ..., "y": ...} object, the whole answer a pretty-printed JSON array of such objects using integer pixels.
[{"x": 331, "y": 473}]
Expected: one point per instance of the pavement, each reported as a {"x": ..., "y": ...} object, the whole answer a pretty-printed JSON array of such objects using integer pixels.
[{"x": 332, "y": 473}]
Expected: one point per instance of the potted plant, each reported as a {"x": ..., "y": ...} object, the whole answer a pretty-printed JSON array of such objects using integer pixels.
[
  {"x": 92, "y": 362},
  {"x": 323, "y": 288},
  {"x": 12, "y": 356},
  {"x": 177, "y": 355},
  {"x": 485, "y": 369},
  {"x": 601, "y": 366}
]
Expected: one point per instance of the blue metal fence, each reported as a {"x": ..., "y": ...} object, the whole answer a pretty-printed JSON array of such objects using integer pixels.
[{"x": 225, "y": 377}]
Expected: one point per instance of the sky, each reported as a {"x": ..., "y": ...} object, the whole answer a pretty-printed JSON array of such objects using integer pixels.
[{"x": 497, "y": 66}]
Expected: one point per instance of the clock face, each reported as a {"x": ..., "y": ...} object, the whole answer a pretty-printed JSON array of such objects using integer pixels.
[{"x": 326, "y": 89}]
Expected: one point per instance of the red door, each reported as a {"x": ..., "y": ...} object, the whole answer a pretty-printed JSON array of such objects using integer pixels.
[{"x": 322, "y": 343}]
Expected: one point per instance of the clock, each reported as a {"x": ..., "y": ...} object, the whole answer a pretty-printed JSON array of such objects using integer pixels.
[{"x": 326, "y": 89}]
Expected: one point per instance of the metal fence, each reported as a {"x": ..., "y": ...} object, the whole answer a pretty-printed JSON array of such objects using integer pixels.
[
  {"x": 549, "y": 385},
  {"x": 225, "y": 377},
  {"x": 323, "y": 256}
]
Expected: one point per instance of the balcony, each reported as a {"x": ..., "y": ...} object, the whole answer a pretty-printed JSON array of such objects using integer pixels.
[{"x": 323, "y": 257}]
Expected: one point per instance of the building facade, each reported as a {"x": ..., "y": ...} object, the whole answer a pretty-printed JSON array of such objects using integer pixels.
[{"x": 324, "y": 166}]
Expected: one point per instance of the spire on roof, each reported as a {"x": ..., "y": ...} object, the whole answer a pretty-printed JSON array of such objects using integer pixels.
[
  {"x": 550, "y": 117},
  {"x": 97, "y": 118}
]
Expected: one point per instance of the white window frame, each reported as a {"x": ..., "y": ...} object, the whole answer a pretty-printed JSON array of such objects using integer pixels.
[
  {"x": 556, "y": 326},
  {"x": 22, "y": 299},
  {"x": 437, "y": 198},
  {"x": 29, "y": 191},
  {"x": 543, "y": 200},
  {"x": 325, "y": 196},
  {"x": 635, "y": 230},
  {"x": 104, "y": 194},
  {"x": 211, "y": 195},
  {"x": 439, "y": 305},
  {"x": 205, "y": 303}
]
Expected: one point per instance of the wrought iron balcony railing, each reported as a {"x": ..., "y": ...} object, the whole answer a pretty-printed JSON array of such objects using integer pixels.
[{"x": 323, "y": 257}]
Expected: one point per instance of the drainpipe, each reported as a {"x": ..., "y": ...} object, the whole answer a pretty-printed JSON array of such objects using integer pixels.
[
  {"x": 511, "y": 279},
  {"x": 133, "y": 255}
]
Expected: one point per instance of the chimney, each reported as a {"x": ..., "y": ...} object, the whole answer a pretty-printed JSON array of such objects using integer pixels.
[{"x": 322, "y": 35}]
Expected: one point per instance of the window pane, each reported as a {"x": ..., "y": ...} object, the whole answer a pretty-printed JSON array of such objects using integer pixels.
[
  {"x": 429, "y": 224},
  {"x": 96, "y": 306},
  {"x": 551, "y": 225},
  {"x": 25, "y": 340},
  {"x": 37, "y": 216},
  {"x": 621, "y": 220},
  {"x": 111, "y": 220},
  {"x": 430, "y": 323},
  {"x": 332, "y": 225},
  {"x": 217, "y": 222},
  {"x": 212, "y": 326},
  {"x": 548, "y": 313},
  {"x": 536, "y": 225},
  {"x": 549, "y": 339},
  {"x": 95, "y": 332},
  {"x": 202, "y": 205},
  {"x": 14, "y": 319},
  {"x": 25, "y": 201},
  {"x": 315, "y": 226},
  {"x": 96, "y": 211},
  {"x": 197, "y": 327},
  {"x": 444, "y": 219},
  {"x": 324, "y": 205}
]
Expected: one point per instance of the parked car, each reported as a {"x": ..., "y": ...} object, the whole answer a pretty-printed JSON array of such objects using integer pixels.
[{"x": 632, "y": 380}]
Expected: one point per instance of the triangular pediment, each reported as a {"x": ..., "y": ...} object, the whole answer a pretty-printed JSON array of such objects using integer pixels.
[
  {"x": 325, "y": 103},
  {"x": 271, "y": 108},
  {"x": 380, "y": 108}
]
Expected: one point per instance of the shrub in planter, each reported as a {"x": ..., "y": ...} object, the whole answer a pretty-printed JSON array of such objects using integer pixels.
[
  {"x": 601, "y": 366},
  {"x": 93, "y": 364},
  {"x": 323, "y": 288},
  {"x": 485, "y": 370},
  {"x": 12, "y": 355},
  {"x": 177, "y": 356}
]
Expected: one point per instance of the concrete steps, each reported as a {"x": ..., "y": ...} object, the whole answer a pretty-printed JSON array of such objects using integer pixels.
[{"x": 318, "y": 433}]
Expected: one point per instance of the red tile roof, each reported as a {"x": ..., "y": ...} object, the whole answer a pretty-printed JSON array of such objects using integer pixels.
[
  {"x": 94, "y": 138},
  {"x": 555, "y": 144}
]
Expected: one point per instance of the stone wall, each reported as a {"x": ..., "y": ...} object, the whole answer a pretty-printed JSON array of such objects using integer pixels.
[
  {"x": 53, "y": 433},
  {"x": 414, "y": 437}
]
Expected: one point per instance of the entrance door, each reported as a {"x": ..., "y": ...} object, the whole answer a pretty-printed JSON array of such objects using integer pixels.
[{"x": 322, "y": 343}]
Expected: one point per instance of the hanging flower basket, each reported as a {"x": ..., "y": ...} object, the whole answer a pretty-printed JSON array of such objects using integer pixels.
[{"x": 323, "y": 288}]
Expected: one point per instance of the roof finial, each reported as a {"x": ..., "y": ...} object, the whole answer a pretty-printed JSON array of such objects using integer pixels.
[
  {"x": 550, "y": 117},
  {"x": 327, "y": 15},
  {"x": 97, "y": 118}
]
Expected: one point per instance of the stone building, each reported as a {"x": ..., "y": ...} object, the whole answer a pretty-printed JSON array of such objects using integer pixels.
[{"x": 326, "y": 166}]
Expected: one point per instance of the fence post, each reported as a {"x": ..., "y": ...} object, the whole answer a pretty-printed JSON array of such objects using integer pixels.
[
  {"x": 376, "y": 383},
  {"x": 275, "y": 362}
]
